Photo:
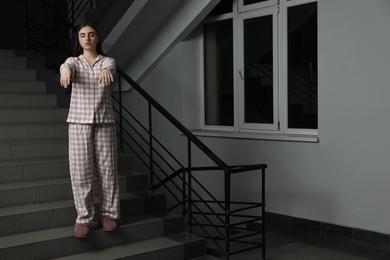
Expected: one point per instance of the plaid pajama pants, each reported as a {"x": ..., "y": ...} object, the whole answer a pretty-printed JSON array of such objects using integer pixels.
[{"x": 93, "y": 148}]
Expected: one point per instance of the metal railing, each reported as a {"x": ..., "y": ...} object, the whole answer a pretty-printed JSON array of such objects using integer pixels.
[
  {"x": 50, "y": 31},
  {"x": 218, "y": 218}
]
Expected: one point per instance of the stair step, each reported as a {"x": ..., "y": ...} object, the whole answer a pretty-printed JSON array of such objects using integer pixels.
[
  {"x": 58, "y": 242},
  {"x": 18, "y": 53},
  {"x": 125, "y": 162},
  {"x": 173, "y": 247},
  {"x": 25, "y": 170},
  {"x": 12, "y": 62},
  {"x": 57, "y": 189},
  {"x": 33, "y": 131},
  {"x": 34, "y": 192},
  {"x": 7, "y": 53},
  {"x": 33, "y": 170},
  {"x": 12, "y": 150},
  {"x": 39, "y": 216},
  {"x": 135, "y": 181},
  {"x": 28, "y": 101},
  {"x": 33, "y": 115},
  {"x": 22, "y": 87},
  {"x": 18, "y": 74}
]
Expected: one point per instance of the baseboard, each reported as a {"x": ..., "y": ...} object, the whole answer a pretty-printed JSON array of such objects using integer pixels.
[{"x": 358, "y": 236}]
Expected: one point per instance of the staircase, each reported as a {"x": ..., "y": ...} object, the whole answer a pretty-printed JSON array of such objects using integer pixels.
[{"x": 36, "y": 208}]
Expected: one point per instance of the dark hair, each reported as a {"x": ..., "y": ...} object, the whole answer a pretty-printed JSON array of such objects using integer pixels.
[{"x": 78, "y": 50}]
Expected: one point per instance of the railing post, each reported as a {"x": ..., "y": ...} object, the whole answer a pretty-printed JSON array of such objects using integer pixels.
[
  {"x": 189, "y": 186},
  {"x": 120, "y": 114},
  {"x": 263, "y": 211},
  {"x": 183, "y": 195},
  {"x": 227, "y": 210},
  {"x": 150, "y": 143}
]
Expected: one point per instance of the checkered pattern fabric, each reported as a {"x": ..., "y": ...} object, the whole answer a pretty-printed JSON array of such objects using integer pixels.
[
  {"x": 92, "y": 147},
  {"x": 90, "y": 100}
]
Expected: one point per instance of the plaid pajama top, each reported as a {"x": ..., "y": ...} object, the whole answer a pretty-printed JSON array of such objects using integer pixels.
[{"x": 90, "y": 101}]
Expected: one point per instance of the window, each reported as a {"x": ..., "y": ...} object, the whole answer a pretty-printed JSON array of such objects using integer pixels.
[
  {"x": 218, "y": 55},
  {"x": 302, "y": 66},
  {"x": 260, "y": 68}
]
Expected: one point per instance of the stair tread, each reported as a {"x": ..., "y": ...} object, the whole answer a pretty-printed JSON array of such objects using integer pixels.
[
  {"x": 21, "y": 81},
  {"x": 28, "y": 95},
  {"x": 67, "y": 232},
  {"x": 33, "y": 161},
  {"x": 131, "y": 249},
  {"x": 35, "y": 108},
  {"x": 56, "y": 205},
  {"x": 33, "y": 140},
  {"x": 39, "y": 183},
  {"x": 136, "y": 248},
  {"x": 24, "y": 124},
  {"x": 28, "y": 184},
  {"x": 32, "y": 123},
  {"x": 35, "y": 207}
]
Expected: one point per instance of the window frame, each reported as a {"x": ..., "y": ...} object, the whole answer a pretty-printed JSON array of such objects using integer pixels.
[
  {"x": 279, "y": 129},
  {"x": 233, "y": 128},
  {"x": 283, "y": 61},
  {"x": 243, "y": 126},
  {"x": 250, "y": 7}
]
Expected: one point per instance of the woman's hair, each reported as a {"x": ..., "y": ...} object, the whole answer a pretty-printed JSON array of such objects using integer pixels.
[{"x": 78, "y": 50}]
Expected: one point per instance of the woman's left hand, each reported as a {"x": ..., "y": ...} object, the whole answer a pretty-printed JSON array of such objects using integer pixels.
[{"x": 106, "y": 77}]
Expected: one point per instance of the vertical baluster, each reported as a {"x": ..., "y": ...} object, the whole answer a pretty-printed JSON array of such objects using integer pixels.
[
  {"x": 150, "y": 144},
  {"x": 120, "y": 114},
  {"x": 227, "y": 211},
  {"x": 189, "y": 185}
]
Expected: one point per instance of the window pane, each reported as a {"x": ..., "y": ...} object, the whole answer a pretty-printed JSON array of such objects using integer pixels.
[
  {"x": 249, "y": 2},
  {"x": 224, "y": 7},
  {"x": 258, "y": 66},
  {"x": 218, "y": 51},
  {"x": 302, "y": 67}
]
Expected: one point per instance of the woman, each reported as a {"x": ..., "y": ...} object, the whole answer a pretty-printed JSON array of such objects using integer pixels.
[{"x": 92, "y": 133}]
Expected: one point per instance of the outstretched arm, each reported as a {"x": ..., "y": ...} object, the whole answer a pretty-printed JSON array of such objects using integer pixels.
[
  {"x": 66, "y": 76},
  {"x": 106, "y": 77}
]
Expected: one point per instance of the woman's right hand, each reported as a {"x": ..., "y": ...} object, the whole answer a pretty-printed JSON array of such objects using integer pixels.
[{"x": 66, "y": 77}]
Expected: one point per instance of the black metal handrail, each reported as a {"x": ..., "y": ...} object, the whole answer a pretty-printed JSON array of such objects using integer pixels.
[{"x": 216, "y": 214}]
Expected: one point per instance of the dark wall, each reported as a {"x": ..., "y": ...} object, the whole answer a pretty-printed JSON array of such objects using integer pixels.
[
  {"x": 14, "y": 16},
  {"x": 13, "y": 24}
]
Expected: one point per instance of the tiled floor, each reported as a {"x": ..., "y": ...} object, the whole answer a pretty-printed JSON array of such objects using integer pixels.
[{"x": 289, "y": 246}]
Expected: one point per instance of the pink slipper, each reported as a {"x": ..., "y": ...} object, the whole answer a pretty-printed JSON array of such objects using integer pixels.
[
  {"x": 81, "y": 230},
  {"x": 109, "y": 224}
]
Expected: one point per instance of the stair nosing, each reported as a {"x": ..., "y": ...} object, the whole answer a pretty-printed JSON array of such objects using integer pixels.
[
  {"x": 126, "y": 250},
  {"x": 4, "y": 163},
  {"x": 60, "y": 204},
  {"x": 33, "y": 140},
  {"x": 31, "y": 184},
  {"x": 67, "y": 231},
  {"x": 32, "y": 123}
]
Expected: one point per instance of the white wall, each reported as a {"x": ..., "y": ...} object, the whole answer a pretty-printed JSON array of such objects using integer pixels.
[{"x": 345, "y": 178}]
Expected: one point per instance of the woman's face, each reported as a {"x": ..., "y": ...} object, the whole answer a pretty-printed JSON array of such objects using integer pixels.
[{"x": 88, "y": 38}]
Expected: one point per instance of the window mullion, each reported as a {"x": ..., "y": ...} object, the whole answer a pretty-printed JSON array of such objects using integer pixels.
[{"x": 282, "y": 60}]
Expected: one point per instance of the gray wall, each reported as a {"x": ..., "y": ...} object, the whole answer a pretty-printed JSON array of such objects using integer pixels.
[{"x": 344, "y": 179}]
